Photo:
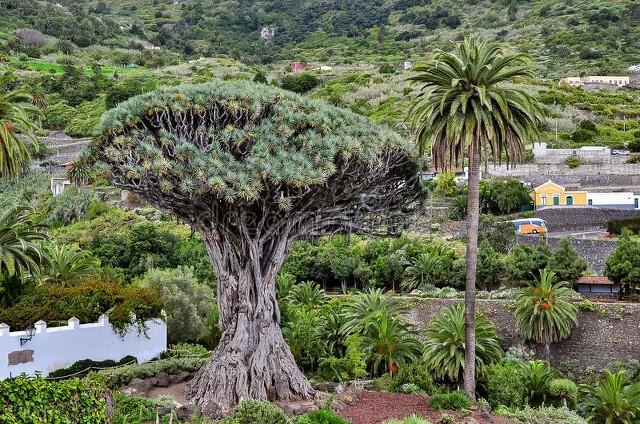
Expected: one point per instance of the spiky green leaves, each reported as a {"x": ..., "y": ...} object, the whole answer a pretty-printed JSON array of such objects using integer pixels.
[{"x": 234, "y": 140}]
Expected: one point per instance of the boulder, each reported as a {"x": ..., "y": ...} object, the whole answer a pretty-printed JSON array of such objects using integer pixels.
[
  {"x": 163, "y": 379},
  {"x": 140, "y": 386}
]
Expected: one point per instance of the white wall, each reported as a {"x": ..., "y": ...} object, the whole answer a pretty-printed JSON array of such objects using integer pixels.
[
  {"x": 621, "y": 199},
  {"x": 59, "y": 347}
]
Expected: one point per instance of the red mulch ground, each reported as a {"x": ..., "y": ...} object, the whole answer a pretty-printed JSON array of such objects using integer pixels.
[{"x": 376, "y": 407}]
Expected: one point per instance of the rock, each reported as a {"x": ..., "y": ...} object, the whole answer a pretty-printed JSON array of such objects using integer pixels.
[
  {"x": 185, "y": 412},
  {"x": 163, "y": 410},
  {"x": 272, "y": 394},
  {"x": 141, "y": 386},
  {"x": 471, "y": 420},
  {"x": 295, "y": 408},
  {"x": 153, "y": 381},
  {"x": 173, "y": 379},
  {"x": 130, "y": 391},
  {"x": 163, "y": 379},
  {"x": 328, "y": 387},
  {"x": 183, "y": 376}
]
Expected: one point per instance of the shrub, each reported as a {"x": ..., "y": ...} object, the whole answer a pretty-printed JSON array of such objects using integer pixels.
[
  {"x": 617, "y": 225},
  {"x": 537, "y": 375},
  {"x": 87, "y": 302},
  {"x": 351, "y": 366},
  {"x": 187, "y": 302},
  {"x": 545, "y": 415},
  {"x": 573, "y": 162},
  {"x": 563, "y": 389},
  {"x": 320, "y": 416},
  {"x": 254, "y": 411},
  {"x": 35, "y": 400},
  {"x": 300, "y": 83},
  {"x": 85, "y": 364},
  {"x": 414, "y": 374},
  {"x": 122, "y": 376},
  {"x": 452, "y": 400},
  {"x": 412, "y": 419},
  {"x": 623, "y": 264},
  {"x": 505, "y": 384}
]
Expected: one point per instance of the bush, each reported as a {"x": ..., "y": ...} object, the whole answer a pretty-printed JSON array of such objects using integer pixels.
[
  {"x": 117, "y": 377},
  {"x": 505, "y": 384},
  {"x": 573, "y": 162},
  {"x": 85, "y": 364},
  {"x": 35, "y": 400},
  {"x": 414, "y": 374},
  {"x": 187, "y": 302},
  {"x": 319, "y": 416},
  {"x": 545, "y": 415},
  {"x": 452, "y": 400},
  {"x": 300, "y": 83},
  {"x": 617, "y": 225},
  {"x": 86, "y": 301},
  {"x": 563, "y": 389},
  {"x": 254, "y": 411},
  {"x": 412, "y": 419}
]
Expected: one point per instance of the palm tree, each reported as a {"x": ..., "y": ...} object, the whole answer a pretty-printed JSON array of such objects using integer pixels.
[
  {"x": 463, "y": 108},
  {"x": 80, "y": 171},
  {"x": 20, "y": 238},
  {"x": 445, "y": 348},
  {"x": 544, "y": 311},
  {"x": 307, "y": 293},
  {"x": 67, "y": 265},
  {"x": 367, "y": 306},
  {"x": 613, "y": 400},
  {"x": 421, "y": 271},
  {"x": 16, "y": 111},
  {"x": 388, "y": 342},
  {"x": 537, "y": 375}
]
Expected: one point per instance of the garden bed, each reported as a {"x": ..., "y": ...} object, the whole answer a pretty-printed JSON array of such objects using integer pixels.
[{"x": 377, "y": 407}]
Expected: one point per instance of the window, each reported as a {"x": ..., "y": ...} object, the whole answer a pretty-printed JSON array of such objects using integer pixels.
[{"x": 543, "y": 199}]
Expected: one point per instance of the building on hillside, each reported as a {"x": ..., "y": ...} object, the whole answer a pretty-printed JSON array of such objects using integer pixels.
[
  {"x": 593, "y": 154},
  {"x": 596, "y": 81},
  {"x": 268, "y": 33},
  {"x": 59, "y": 185},
  {"x": 552, "y": 194},
  {"x": 407, "y": 65},
  {"x": 598, "y": 287},
  {"x": 298, "y": 66}
]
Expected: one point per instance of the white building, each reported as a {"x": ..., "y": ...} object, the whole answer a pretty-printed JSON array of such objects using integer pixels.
[
  {"x": 407, "y": 65},
  {"x": 622, "y": 200},
  {"x": 599, "y": 154},
  {"x": 58, "y": 185},
  {"x": 615, "y": 81}
]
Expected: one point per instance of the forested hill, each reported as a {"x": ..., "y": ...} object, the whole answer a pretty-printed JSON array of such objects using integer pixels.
[{"x": 562, "y": 35}]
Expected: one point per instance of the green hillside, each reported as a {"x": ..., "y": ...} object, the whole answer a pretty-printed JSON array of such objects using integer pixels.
[{"x": 563, "y": 36}]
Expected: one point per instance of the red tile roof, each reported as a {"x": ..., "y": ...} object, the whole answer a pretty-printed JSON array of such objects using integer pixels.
[{"x": 595, "y": 280}]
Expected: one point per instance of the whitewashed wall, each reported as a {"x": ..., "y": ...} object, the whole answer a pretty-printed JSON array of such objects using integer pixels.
[{"x": 59, "y": 347}]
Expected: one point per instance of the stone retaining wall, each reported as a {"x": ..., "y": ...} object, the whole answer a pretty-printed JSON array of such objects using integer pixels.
[{"x": 611, "y": 333}]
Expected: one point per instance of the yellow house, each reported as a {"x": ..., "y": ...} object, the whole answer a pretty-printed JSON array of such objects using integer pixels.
[{"x": 552, "y": 194}]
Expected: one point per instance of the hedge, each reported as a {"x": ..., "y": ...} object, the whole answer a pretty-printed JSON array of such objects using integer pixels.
[
  {"x": 87, "y": 364},
  {"x": 37, "y": 401},
  {"x": 121, "y": 376},
  {"x": 616, "y": 225}
]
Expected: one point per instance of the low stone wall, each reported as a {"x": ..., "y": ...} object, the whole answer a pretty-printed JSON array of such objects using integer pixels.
[
  {"x": 552, "y": 170},
  {"x": 609, "y": 334}
]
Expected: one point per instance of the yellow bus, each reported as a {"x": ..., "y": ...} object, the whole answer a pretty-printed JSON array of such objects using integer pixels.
[{"x": 530, "y": 226}]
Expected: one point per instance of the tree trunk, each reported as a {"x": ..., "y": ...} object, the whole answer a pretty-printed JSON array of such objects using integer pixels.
[
  {"x": 473, "y": 215},
  {"x": 547, "y": 352},
  {"x": 252, "y": 360}
]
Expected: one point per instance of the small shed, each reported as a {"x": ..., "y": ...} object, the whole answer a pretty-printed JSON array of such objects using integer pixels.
[{"x": 598, "y": 287}]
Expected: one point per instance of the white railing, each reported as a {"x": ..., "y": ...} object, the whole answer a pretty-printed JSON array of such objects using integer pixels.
[{"x": 50, "y": 349}]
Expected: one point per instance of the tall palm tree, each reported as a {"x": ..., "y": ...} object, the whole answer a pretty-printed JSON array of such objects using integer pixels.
[
  {"x": 544, "y": 311},
  {"x": 16, "y": 112},
  {"x": 464, "y": 108},
  {"x": 20, "y": 238},
  {"x": 67, "y": 265}
]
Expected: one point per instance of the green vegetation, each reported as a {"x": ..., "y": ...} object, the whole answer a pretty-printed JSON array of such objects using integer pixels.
[
  {"x": 623, "y": 265},
  {"x": 452, "y": 400}
]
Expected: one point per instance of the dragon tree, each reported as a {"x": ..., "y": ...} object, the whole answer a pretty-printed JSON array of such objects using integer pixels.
[{"x": 253, "y": 168}]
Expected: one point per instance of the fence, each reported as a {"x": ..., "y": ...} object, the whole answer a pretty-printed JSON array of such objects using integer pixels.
[{"x": 50, "y": 349}]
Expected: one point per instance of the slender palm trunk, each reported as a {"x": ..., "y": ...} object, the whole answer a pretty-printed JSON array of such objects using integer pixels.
[{"x": 473, "y": 215}]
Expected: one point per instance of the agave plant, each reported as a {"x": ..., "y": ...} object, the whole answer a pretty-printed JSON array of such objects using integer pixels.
[
  {"x": 445, "y": 344},
  {"x": 614, "y": 400},
  {"x": 544, "y": 311},
  {"x": 332, "y": 334},
  {"x": 80, "y": 171},
  {"x": 307, "y": 293}
]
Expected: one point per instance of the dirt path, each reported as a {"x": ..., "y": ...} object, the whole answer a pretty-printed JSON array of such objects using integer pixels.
[{"x": 377, "y": 407}]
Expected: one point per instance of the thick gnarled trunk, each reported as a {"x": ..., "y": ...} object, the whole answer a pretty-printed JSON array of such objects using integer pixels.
[{"x": 252, "y": 360}]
